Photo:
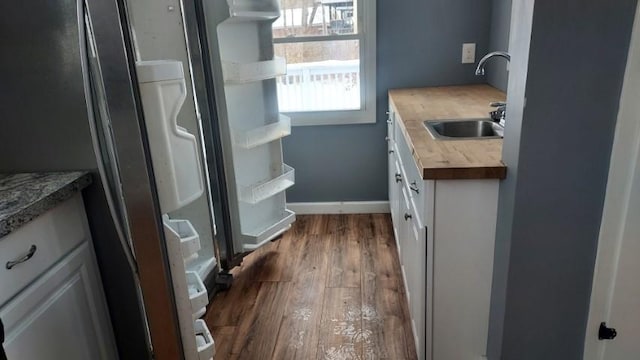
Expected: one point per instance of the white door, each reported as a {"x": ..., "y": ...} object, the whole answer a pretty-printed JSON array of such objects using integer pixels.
[
  {"x": 62, "y": 315},
  {"x": 616, "y": 290}
]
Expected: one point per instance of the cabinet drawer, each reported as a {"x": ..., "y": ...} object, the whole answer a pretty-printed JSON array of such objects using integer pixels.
[
  {"x": 407, "y": 253},
  {"x": 404, "y": 153},
  {"x": 413, "y": 177},
  {"x": 391, "y": 119},
  {"x": 395, "y": 186},
  {"x": 52, "y": 235}
]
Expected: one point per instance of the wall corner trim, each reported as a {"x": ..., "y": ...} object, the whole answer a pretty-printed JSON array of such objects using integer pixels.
[{"x": 340, "y": 207}]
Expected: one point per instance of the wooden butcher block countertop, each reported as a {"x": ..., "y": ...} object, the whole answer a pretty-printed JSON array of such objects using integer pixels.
[{"x": 449, "y": 159}]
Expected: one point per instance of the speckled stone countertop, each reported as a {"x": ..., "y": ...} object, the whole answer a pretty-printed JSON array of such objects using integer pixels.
[{"x": 23, "y": 197}]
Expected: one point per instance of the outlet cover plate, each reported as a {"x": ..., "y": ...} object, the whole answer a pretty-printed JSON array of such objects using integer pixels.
[{"x": 469, "y": 53}]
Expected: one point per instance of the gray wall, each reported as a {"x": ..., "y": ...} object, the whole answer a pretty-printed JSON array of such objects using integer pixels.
[
  {"x": 551, "y": 202},
  {"x": 419, "y": 44},
  {"x": 497, "y": 74},
  {"x": 45, "y": 128},
  {"x": 42, "y": 65}
]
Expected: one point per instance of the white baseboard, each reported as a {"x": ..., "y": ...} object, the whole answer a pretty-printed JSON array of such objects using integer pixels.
[{"x": 340, "y": 207}]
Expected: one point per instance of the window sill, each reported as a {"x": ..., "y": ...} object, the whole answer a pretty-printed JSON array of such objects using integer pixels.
[{"x": 332, "y": 118}]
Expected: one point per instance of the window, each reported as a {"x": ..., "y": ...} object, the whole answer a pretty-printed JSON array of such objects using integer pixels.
[{"x": 329, "y": 46}]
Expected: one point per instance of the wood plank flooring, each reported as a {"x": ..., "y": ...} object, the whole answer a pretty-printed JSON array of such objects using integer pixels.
[{"x": 329, "y": 289}]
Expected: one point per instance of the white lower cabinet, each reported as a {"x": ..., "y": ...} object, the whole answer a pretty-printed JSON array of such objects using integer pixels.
[
  {"x": 62, "y": 313},
  {"x": 60, "y": 316},
  {"x": 445, "y": 232}
]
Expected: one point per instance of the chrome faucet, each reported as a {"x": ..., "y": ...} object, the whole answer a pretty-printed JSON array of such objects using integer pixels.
[
  {"x": 481, "y": 64},
  {"x": 500, "y": 113}
]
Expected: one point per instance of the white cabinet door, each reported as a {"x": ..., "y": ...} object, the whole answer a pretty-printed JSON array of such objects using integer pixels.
[
  {"x": 62, "y": 315},
  {"x": 395, "y": 188},
  {"x": 390, "y": 124},
  {"x": 463, "y": 266},
  {"x": 417, "y": 238},
  {"x": 406, "y": 253}
]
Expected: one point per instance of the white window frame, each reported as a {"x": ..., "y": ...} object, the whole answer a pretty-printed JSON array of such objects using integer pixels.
[{"x": 367, "y": 36}]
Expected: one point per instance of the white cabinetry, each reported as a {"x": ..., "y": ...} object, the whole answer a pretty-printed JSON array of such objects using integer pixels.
[
  {"x": 60, "y": 313},
  {"x": 445, "y": 231}
]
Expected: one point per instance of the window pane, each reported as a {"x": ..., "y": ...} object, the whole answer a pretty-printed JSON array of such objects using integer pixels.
[
  {"x": 321, "y": 75},
  {"x": 314, "y": 17}
]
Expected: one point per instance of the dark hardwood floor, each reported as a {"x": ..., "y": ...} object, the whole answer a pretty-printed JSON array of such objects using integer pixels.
[{"x": 330, "y": 288}]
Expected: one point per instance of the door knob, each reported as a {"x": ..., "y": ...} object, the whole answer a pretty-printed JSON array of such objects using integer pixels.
[
  {"x": 3, "y": 356},
  {"x": 414, "y": 186},
  {"x": 28, "y": 255},
  {"x": 606, "y": 333}
]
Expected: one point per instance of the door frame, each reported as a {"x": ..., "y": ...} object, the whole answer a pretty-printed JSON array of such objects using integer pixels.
[{"x": 624, "y": 161}]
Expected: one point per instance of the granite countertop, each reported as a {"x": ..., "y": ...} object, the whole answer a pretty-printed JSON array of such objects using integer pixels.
[
  {"x": 23, "y": 197},
  {"x": 449, "y": 159}
]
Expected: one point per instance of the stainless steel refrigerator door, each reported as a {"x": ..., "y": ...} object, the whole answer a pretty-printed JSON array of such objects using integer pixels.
[
  {"x": 115, "y": 58},
  {"x": 104, "y": 145}
]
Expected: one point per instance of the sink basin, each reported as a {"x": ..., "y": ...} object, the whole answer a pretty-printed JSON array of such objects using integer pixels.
[{"x": 464, "y": 129}]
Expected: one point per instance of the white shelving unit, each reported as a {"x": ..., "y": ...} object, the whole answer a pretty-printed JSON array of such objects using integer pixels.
[
  {"x": 251, "y": 125},
  {"x": 190, "y": 293}
]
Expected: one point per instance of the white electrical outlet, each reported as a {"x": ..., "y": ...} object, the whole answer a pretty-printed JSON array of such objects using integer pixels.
[{"x": 469, "y": 53}]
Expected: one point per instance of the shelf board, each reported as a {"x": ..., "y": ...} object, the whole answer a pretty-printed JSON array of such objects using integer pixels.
[
  {"x": 204, "y": 264},
  {"x": 243, "y": 15},
  {"x": 197, "y": 292},
  {"x": 242, "y": 73},
  {"x": 204, "y": 341},
  {"x": 265, "y": 134},
  {"x": 255, "y": 193},
  {"x": 260, "y": 236},
  {"x": 184, "y": 232}
]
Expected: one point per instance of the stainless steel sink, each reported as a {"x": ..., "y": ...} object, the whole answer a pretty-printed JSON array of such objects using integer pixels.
[{"x": 464, "y": 129}]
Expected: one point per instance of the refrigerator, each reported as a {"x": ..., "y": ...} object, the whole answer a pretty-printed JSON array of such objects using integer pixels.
[{"x": 187, "y": 133}]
